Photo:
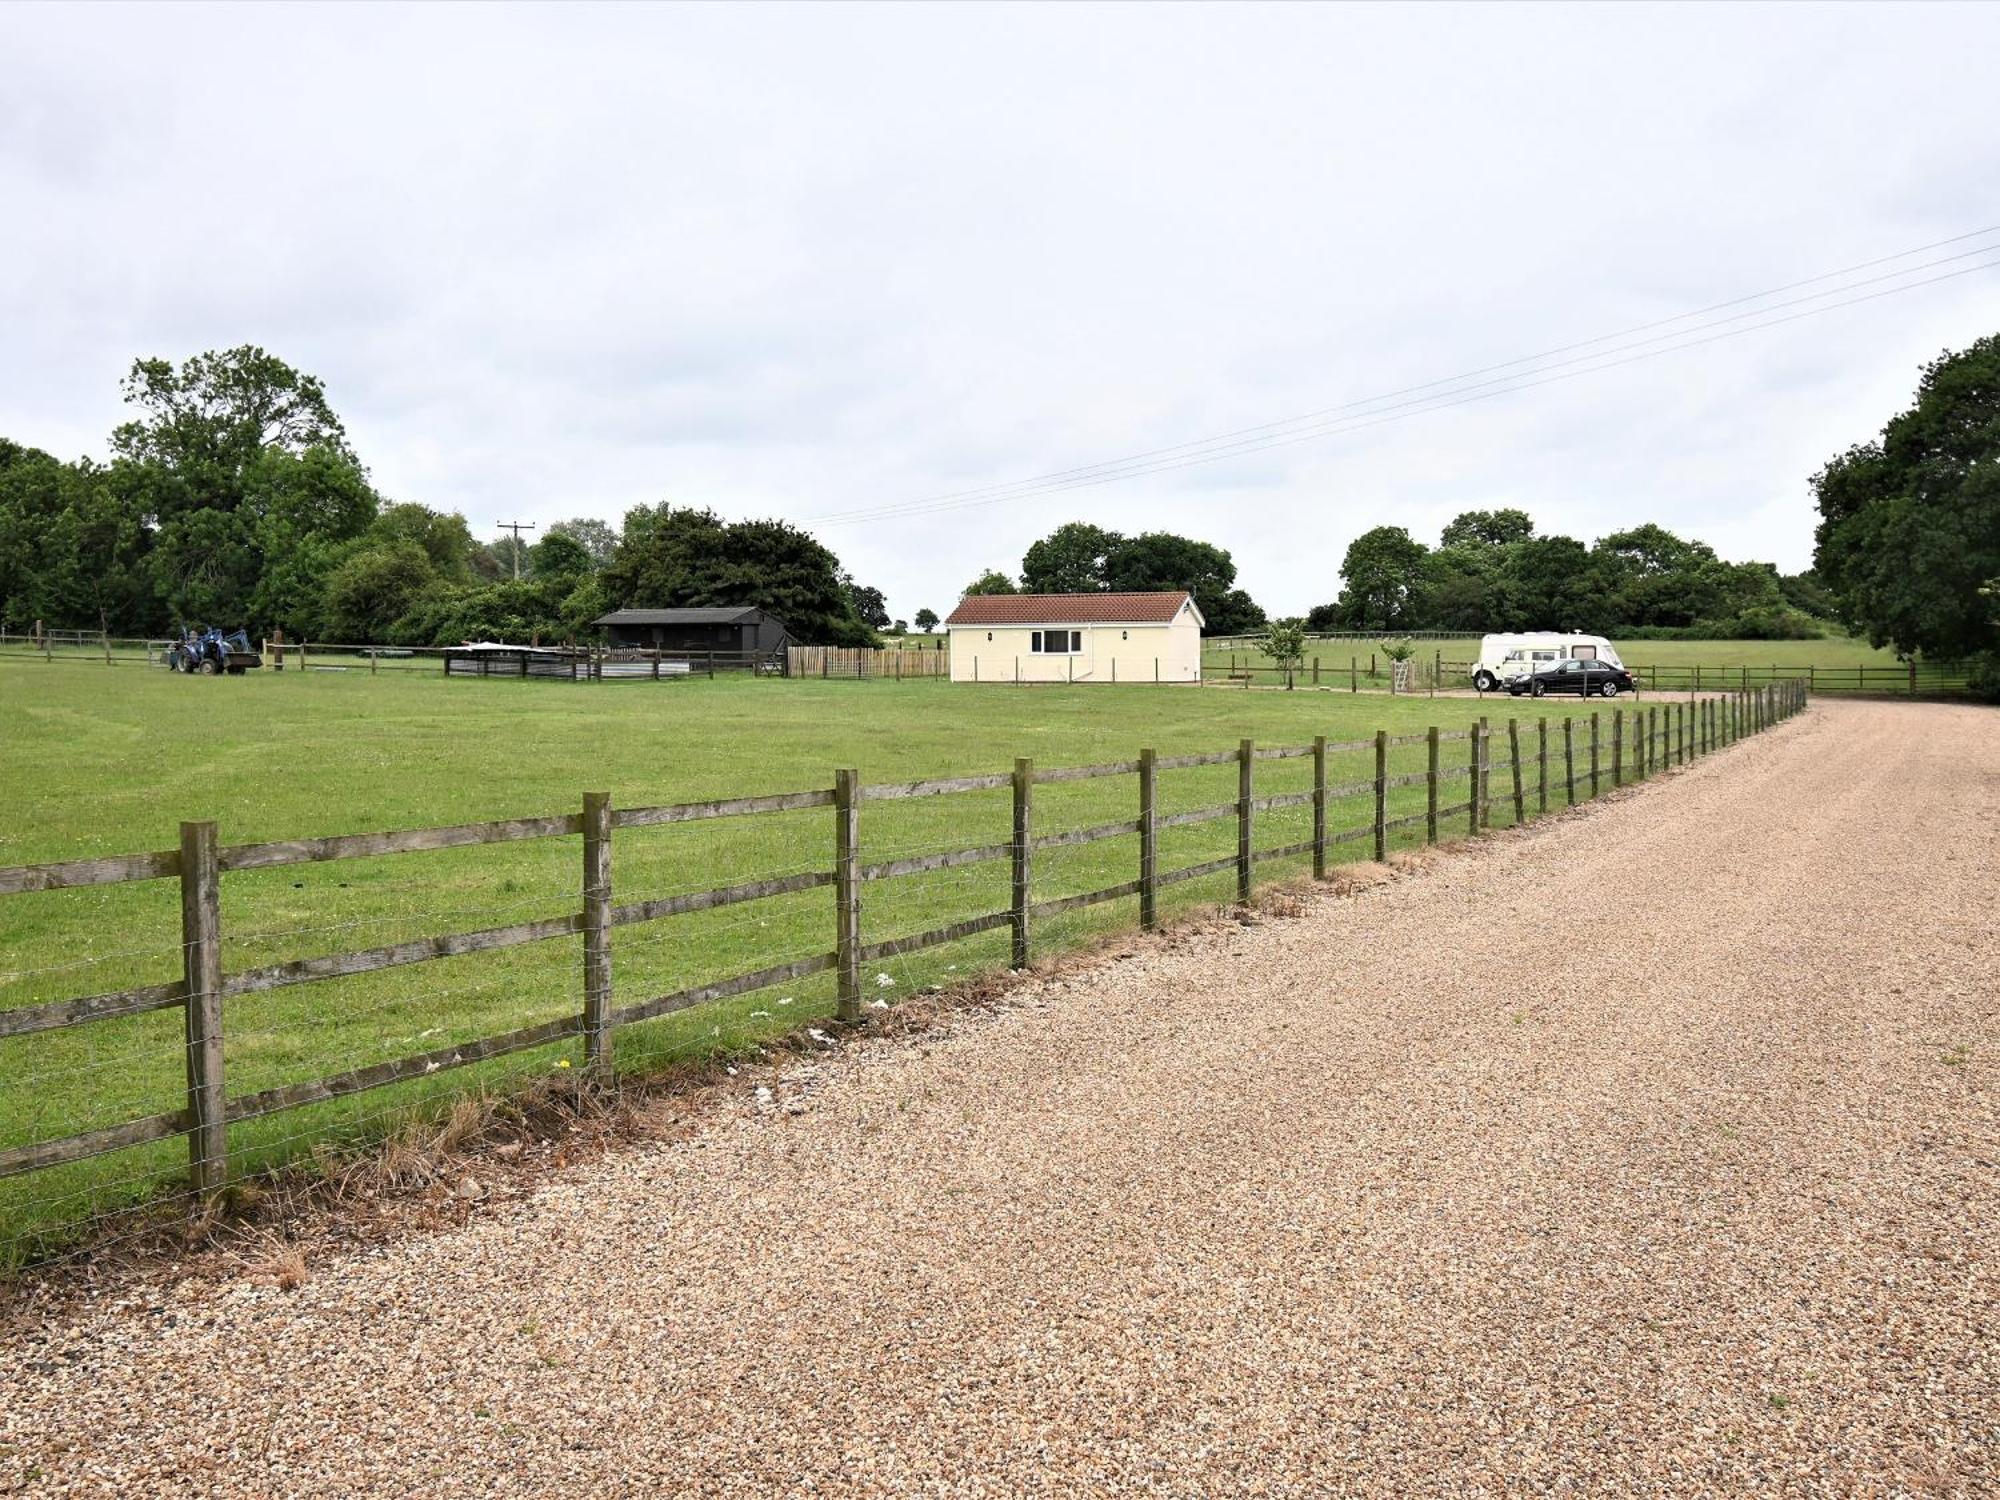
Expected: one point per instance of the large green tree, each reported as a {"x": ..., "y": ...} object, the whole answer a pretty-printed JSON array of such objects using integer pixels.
[
  {"x": 210, "y": 425},
  {"x": 1072, "y": 559},
  {"x": 1383, "y": 577},
  {"x": 1157, "y": 561},
  {"x": 1078, "y": 558},
  {"x": 677, "y": 557},
  {"x": 1909, "y": 530},
  {"x": 599, "y": 538},
  {"x": 992, "y": 581},
  {"x": 1488, "y": 528}
]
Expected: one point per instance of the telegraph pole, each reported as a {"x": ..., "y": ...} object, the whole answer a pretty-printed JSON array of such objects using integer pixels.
[{"x": 517, "y": 527}]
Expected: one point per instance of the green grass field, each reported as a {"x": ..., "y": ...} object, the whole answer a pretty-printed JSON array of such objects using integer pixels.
[{"x": 110, "y": 760}]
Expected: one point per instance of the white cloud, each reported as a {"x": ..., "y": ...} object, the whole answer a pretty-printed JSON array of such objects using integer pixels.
[{"x": 797, "y": 261}]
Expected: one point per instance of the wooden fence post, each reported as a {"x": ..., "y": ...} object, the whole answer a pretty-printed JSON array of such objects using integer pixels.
[
  {"x": 1319, "y": 802},
  {"x": 1569, "y": 761},
  {"x": 201, "y": 978},
  {"x": 1513, "y": 755},
  {"x": 847, "y": 892},
  {"x": 1149, "y": 841},
  {"x": 1431, "y": 786},
  {"x": 1353, "y": 675},
  {"x": 1593, "y": 752},
  {"x": 1245, "y": 757},
  {"x": 1472, "y": 782},
  {"x": 1617, "y": 747},
  {"x": 597, "y": 936},
  {"x": 1381, "y": 795},
  {"x": 1542, "y": 764},
  {"x": 1484, "y": 792},
  {"x": 1024, "y": 808},
  {"x": 1315, "y": 671}
]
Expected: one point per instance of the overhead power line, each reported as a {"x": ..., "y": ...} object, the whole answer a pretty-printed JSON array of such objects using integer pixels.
[{"x": 1528, "y": 371}]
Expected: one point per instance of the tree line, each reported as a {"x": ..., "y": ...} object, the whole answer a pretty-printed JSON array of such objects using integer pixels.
[
  {"x": 233, "y": 498},
  {"x": 1491, "y": 572}
]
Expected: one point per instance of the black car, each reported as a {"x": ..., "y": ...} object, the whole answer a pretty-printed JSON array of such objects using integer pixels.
[{"x": 1579, "y": 675}]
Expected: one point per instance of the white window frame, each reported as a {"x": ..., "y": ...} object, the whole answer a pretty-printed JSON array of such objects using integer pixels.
[{"x": 1039, "y": 643}]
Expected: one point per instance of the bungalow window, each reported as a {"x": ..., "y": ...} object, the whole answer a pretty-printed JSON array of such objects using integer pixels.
[{"x": 1056, "y": 642}]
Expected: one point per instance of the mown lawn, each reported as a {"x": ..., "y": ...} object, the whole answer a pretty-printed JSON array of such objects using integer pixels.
[{"x": 109, "y": 760}]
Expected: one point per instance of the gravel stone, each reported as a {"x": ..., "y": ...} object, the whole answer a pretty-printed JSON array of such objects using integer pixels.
[{"x": 1649, "y": 1151}]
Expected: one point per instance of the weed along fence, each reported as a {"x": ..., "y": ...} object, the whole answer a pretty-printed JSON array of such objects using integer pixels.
[{"x": 176, "y": 1087}]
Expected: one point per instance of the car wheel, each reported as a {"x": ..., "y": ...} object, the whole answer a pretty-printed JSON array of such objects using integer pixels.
[
  {"x": 1538, "y": 690},
  {"x": 1484, "y": 680},
  {"x": 1609, "y": 690}
]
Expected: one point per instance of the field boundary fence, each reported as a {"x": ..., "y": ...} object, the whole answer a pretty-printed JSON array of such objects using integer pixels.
[
  {"x": 1226, "y": 660},
  {"x": 898, "y": 665},
  {"x": 1914, "y": 679},
  {"x": 1375, "y": 670},
  {"x": 1537, "y": 769}
]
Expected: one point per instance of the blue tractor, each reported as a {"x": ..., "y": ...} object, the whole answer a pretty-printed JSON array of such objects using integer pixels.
[{"x": 210, "y": 653}]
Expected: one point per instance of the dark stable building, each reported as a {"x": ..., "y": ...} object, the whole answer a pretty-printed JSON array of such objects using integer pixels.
[{"x": 703, "y": 629}]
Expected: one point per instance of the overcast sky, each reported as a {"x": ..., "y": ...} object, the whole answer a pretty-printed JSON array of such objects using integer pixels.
[{"x": 800, "y": 262}]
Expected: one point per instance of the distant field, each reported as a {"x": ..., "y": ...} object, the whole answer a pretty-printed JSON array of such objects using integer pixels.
[
  {"x": 1337, "y": 657},
  {"x": 104, "y": 760}
]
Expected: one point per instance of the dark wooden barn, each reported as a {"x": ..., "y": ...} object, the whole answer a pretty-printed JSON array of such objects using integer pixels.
[{"x": 718, "y": 628}]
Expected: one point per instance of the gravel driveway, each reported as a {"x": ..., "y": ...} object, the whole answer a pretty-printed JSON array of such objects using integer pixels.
[{"x": 1402, "y": 1196}]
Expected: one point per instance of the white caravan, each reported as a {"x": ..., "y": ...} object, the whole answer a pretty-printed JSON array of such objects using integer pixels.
[{"x": 1505, "y": 657}]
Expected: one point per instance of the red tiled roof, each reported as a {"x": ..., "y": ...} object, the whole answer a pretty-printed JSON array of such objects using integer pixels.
[{"x": 1067, "y": 609}]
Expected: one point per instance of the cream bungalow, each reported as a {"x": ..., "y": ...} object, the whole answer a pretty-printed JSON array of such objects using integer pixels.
[{"x": 1076, "y": 638}]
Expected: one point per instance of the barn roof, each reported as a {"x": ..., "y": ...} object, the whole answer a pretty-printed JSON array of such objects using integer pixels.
[
  {"x": 1069, "y": 609},
  {"x": 726, "y": 614}
]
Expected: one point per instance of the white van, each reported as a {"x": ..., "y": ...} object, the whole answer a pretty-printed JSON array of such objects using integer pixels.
[{"x": 1505, "y": 657}]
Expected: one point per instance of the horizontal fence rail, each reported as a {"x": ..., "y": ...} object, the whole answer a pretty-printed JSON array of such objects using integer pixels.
[{"x": 1527, "y": 768}]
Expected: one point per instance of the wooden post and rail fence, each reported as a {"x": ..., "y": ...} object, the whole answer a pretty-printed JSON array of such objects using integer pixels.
[{"x": 1647, "y": 739}]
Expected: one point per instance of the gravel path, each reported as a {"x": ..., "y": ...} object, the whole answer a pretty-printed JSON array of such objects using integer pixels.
[{"x": 1402, "y": 1196}]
